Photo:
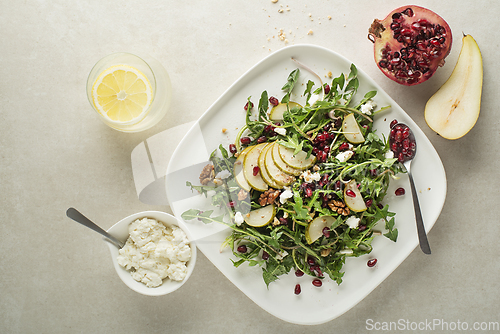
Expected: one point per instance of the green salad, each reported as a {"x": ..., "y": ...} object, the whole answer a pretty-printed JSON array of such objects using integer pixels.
[{"x": 302, "y": 187}]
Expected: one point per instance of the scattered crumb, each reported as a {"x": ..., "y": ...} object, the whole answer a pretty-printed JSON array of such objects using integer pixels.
[
  {"x": 310, "y": 15},
  {"x": 329, "y": 74},
  {"x": 224, "y": 130},
  {"x": 344, "y": 25},
  {"x": 280, "y": 10},
  {"x": 281, "y": 35},
  {"x": 329, "y": 17},
  {"x": 274, "y": 1},
  {"x": 310, "y": 32}
]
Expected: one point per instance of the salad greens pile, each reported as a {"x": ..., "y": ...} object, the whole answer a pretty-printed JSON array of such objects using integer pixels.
[{"x": 315, "y": 128}]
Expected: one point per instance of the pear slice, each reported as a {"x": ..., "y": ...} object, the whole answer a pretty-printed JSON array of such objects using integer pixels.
[
  {"x": 280, "y": 163},
  {"x": 278, "y": 176},
  {"x": 356, "y": 203},
  {"x": 251, "y": 161},
  {"x": 260, "y": 217},
  {"x": 277, "y": 112},
  {"x": 263, "y": 170},
  {"x": 238, "y": 170},
  {"x": 315, "y": 228},
  {"x": 297, "y": 161},
  {"x": 454, "y": 109},
  {"x": 351, "y": 130}
]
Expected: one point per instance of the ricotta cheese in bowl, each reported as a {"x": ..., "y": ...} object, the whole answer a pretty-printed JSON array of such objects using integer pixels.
[{"x": 159, "y": 254}]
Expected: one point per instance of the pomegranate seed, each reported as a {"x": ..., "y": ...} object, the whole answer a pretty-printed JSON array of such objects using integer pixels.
[
  {"x": 326, "y": 232},
  {"x": 320, "y": 137},
  {"x": 371, "y": 263},
  {"x": 369, "y": 202},
  {"x": 261, "y": 139},
  {"x": 327, "y": 89},
  {"x": 242, "y": 249},
  {"x": 231, "y": 204},
  {"x": 326, "y": 149},
  {"x": 350, "y": 193},
  {"x": 311, "y": 261},
  {"x": 317, "y": 283},
  {"x": 400, "y": 191},
  {"x": 408, "y": 12},
  {"x": 308, "y": 192},
  {"x": 297, "y": 289},
  {"x": 361, "y": 228},
  {"x": 274, "y": 101},
  {"x": 299, "y": 273},
  {"x": 373, "y": 172},
  {"x": 245, "y": 140},
  {"x": 246, "y": 105},
  {"x": 232, "y": 148},
  {"x": 343, "y": 147},
  {"x": 265, "y": 255},
  {"x": 380, "y": 206},
  {"x": 283, "y": 221},
  {"x": 256, "y": 170}
]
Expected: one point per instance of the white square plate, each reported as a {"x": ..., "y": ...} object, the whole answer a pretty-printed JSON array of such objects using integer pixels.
[{"x": 314, "y": 305}]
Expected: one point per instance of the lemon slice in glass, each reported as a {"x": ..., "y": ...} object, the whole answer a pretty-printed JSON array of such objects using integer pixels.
[{"x": 122, "y": 94}]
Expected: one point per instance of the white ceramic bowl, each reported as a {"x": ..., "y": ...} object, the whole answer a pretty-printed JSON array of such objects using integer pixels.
[{"x": 120, "y": 231}]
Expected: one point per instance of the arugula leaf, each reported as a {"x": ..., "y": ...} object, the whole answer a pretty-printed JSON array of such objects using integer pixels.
[{"x": 288, "y": 87}]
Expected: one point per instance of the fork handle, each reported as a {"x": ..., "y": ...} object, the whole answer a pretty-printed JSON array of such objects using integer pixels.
[{"x": 422, "y": 236}]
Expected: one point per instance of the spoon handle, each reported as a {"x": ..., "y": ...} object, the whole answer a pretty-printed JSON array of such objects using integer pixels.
[
  {"x": 422, "y": 236},
  {"x": 80, "y": 218}
]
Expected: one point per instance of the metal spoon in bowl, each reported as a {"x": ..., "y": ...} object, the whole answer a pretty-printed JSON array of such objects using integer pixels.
[
  {"x": 80, "y": 218},
  {"x": 404, "y": 146}
]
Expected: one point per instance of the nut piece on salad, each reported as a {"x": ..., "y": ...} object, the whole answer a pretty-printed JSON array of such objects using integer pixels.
[
  {"x": 207, "y": 174},
  {"x": 268, "y": 197},
  {"x": 339, "y": 207}
]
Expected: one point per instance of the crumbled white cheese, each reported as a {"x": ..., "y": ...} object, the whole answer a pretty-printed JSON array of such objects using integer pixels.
[
  {"x": 389, "y": 155},
  {"x": 281, "y": 255},
  {"x": 154, "y": 252},
  {"x": 368, "y": 107},
  {"x": 346, "y": 251},
  {"x": 352, "y": 222},
  {"x": 281, "y": 131},
  {"x": 238, "y": 218},
  {"x": 285, "y": 195},
  {"x": 223, "y": 174},
  {"x": 310, "y": 177},
  {"x": 344, "y": 156}
]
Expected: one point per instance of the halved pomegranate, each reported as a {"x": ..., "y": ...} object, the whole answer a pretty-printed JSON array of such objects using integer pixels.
[{"x": 410, "y": 44}]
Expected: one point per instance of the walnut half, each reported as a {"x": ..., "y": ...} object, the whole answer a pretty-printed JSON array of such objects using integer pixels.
[
  {"x": 339, "y": 207},
  {"x": 268, "y": 196},
  {"x": 207, "y": 174}
]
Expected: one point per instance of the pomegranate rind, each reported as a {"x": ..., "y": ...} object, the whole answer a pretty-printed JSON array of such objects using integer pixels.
[{"x": 425, "y": 45}]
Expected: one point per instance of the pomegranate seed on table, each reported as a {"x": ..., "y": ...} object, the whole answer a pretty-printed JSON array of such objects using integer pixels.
[
  {"x": 317, "y": 282},
  {"x": 400, "y": 191},
  {"x": 242, "y": 249},
  {"x": 371, "y": 263},
  {"x": 297, "y": 289}
]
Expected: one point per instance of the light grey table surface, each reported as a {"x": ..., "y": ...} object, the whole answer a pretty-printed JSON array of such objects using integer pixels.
[{"x": 57, "y": 276}]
